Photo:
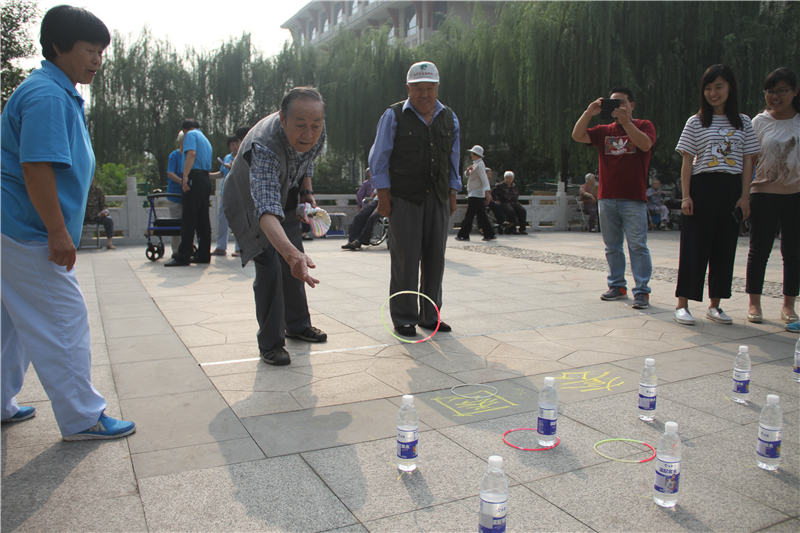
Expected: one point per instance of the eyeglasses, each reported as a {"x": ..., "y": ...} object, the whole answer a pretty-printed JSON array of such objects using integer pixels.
[{"x": 783, "y": 91}]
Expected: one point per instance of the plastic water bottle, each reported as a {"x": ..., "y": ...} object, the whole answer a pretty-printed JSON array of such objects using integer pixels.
[
  {"x": 741, "y": 376},
  {"x": 548, "y": 413},
  {"x": 648, "y": 384},
  {"x": 407, "y": 435},
  {"x": 494, "y": 498},
  {"x": 768, "y": 449},
  {"x": 668, "y": 467},
  {"x": 797, "y": 361}
]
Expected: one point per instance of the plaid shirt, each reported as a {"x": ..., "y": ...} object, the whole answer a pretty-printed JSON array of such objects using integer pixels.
[{"x": 265, "y": 185}]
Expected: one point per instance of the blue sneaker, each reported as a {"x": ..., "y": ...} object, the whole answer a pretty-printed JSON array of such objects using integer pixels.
[
  {"x": 106, "y": 428},
  {"x": 793, "y": 327},
  {"x": 25, "y": 412}
]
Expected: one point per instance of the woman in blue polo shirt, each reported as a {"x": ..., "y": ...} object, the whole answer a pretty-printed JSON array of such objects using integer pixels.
[{"x": 47, "y": 166}]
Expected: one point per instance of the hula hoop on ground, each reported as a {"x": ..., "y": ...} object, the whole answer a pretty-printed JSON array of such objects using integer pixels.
[
  {"x": 401, "y": 339},
  {"x": 558, "y": 441},
  {"x": 473, "y": 396},
  {"x": 598, "y": 443}
]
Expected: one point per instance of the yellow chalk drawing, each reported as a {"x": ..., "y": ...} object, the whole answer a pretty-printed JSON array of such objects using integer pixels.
[
  {"x": 473, "y": 406},
  {"x": 584, "y": 383}
]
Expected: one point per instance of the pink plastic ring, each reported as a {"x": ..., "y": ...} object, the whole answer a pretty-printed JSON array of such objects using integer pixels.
[{"x": 558, "y": 441}]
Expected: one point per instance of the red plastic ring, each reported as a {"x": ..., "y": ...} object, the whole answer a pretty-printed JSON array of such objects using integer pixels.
[{"x": 558, "y": 441}]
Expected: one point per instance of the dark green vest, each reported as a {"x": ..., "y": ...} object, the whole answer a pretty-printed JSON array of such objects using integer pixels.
[{"x": 420, "y": 160}]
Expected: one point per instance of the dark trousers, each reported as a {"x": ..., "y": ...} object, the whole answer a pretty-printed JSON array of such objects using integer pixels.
[
  {"x": 513, "y": 212},
  {"x": 768, "y": 214},
  {"x": 476, "y": 207},
  {"x": 280, "y": 297},
  {"x": 195, "y": 217},
  {"x": 107, "y": 223},
  {"x": 363, "y": 222},
  {"x": 708, "y": 238},
  {"x": 417, "y": 241}
]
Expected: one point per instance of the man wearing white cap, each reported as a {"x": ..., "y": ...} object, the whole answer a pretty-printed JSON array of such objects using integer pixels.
[
  {"x": 479, "y": 195},
  {"x": 414, "y": 163}
]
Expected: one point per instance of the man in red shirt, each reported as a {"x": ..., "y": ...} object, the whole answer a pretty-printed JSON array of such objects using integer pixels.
[{"x": 624, "y": 148}]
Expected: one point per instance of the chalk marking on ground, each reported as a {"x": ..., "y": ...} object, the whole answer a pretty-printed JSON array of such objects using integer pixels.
[{"x": 336, "y": 350}]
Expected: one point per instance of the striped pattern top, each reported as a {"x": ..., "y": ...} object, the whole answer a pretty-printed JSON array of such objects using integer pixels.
[{"x": 720, "y": 147}]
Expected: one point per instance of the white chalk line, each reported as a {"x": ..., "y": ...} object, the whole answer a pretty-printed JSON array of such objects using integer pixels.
[{"x": 336, "y": 350}]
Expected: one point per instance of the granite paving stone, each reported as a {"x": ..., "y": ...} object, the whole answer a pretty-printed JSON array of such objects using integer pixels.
[
  {"x": 619, "y": 497},
  {"x": 159, "y": 377},
  {"x": 276, "y": 494},
  {"x": 323, "y": 427},
  {"x": 365, "y": 476},
  {"x": 176, "y": 420},
  {"x": 186, "y": 458},
  {"x": 526, "y": 512}
]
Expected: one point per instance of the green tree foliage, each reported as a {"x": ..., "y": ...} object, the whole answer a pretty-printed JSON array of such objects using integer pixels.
[
  {"x": 518, "y": 79},
  {"x": 16, "y": 43},
  {"x": 111, "y": 177}
]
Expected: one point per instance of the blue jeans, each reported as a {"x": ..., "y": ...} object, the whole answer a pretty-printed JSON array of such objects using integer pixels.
[{"x": 629, "y": 218}]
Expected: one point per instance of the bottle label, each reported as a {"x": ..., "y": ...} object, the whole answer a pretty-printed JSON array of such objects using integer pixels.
[
  {"x": 796, "y": 368},
  {"x": 668, "y": 473},
  {"x": 492, "y": 517},
  {"x": 407, "y": 444},
  {"x": 769, "y": 442},
  {"x": 741, "y": 382},
  {"x": 547, "y": 421},
  {"x": 647, "y": 397}
]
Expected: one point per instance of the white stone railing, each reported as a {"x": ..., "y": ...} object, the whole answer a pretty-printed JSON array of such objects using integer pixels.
[{"x": 131, "y": 217}]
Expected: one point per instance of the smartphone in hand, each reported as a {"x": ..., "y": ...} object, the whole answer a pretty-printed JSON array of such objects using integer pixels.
[{"x": 607, "y": 105}]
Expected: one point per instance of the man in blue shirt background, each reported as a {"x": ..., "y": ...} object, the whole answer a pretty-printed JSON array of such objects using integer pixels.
[
  {"x": 47, "y": 166},
  {"x": 174, "y": 181},
  {"x": 196, "y": 187}
]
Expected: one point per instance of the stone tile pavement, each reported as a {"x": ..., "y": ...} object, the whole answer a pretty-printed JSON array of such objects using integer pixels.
[{"x": 226, "y": 443}]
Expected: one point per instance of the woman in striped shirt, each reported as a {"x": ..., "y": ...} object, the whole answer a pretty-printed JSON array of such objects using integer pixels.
[{"x": 718, "y": 145}]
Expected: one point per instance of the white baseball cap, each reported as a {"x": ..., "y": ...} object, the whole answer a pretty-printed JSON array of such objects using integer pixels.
[
  {"x": 508, "y": 174},
  {"x": 423, "y": 71},
  {"x": 477, "y": 150}
]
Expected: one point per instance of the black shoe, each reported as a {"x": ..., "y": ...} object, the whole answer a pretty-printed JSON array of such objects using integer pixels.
[
  {"x": 352, "y": 245},
  {"x": 406, "y": 330},
  {"x": 276, "y": 356},
  {"x": 310, "y": 334},
  {"x": 460, "y": 238},
  {"x": 489, "y": 238},
  {"x": 175, "y": 262},
  {"x": 444, "y": 327},
  {"x": 200, "y": 260},
  {"x": 523, "y": 232}
]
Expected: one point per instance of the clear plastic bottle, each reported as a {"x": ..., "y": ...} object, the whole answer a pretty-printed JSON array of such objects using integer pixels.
[
  {"x": 548, "y": 413},
  {"x": 741, "y": 376},
  {"x": 648, "y": 384},
  {"x": 668, "y": 467},
  {"x": 768, "y": 448},
  {"x": 494, "y": 498},
  {"x": 407, "y": 435},
  {"x": 797, "y": 361}
]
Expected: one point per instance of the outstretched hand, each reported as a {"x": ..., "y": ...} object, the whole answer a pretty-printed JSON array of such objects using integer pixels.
[{"x": 299, "y": 266}]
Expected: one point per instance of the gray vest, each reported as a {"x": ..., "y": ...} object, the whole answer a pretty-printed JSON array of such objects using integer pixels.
[{"x": 237, "y": 201}]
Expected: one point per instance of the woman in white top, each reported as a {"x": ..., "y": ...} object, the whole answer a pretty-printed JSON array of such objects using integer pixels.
[
  {"x": 775, "y": 193},
  {"x": 718, "y": 146}
]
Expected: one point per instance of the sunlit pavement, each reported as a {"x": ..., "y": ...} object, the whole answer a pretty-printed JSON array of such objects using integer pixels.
[{"x": 225, "y": 442}]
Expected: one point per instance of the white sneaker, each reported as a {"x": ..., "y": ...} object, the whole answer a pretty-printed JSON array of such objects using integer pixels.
[
  {"x": 716, "y": 314},
  {"x": 683, "y": 316}
]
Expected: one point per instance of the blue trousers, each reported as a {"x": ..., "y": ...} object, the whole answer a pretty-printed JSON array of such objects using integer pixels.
[
  {"x": 626, "y": 219},
  {"x": 45, "y": 322}
]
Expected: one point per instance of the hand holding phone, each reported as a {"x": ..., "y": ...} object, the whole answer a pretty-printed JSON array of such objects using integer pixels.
[{"x": 607, "y": 105}]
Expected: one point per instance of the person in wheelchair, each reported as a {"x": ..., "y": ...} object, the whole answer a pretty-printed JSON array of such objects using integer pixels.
[
  {"x": 506, "y": 198},
  {"x": 364, "y": 222}
]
